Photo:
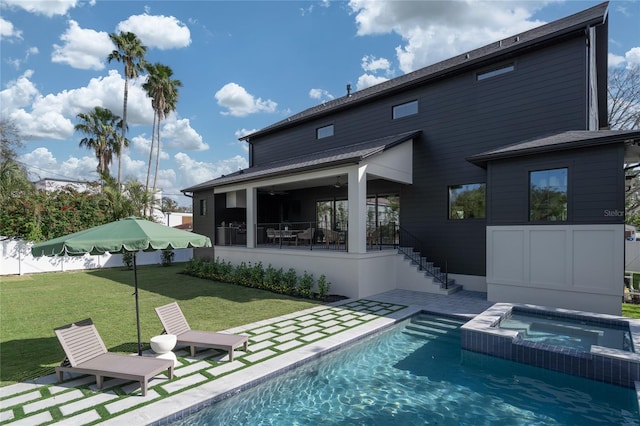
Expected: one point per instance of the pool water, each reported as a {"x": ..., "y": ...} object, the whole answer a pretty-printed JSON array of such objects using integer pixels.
[
  {"x": 416, "y": 373},
  {"x": 579, "y": 335}
]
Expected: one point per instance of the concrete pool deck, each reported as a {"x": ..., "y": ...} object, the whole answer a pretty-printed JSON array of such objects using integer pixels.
[{"x": 275, "y": 345}]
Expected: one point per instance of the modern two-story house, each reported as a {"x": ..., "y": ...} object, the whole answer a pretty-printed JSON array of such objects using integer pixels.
[{"x": 496, "y": 166}]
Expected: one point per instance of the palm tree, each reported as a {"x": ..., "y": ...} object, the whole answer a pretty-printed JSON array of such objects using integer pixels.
[
  {"x": 163, "y": 91},
  {"x": 100, "y": 126},
  {"x": 130, "y": 51}
]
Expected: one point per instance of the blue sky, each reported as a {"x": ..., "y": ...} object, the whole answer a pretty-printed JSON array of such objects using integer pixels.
[{"x": 243, "y": 65}]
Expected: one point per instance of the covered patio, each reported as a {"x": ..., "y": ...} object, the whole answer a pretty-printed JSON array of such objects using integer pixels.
[
  {"x": 344, "y": 199},
  {"x": 334, "y": 213}
]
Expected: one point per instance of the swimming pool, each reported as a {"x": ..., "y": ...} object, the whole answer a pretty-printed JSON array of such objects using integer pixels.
[{"x": 416, "y": 373}]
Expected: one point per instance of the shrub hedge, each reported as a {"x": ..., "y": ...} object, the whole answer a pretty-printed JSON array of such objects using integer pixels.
[{"x": 257, "y": 276}]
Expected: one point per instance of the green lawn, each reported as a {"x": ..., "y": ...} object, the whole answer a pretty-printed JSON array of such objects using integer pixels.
[
  {"x": 631, "y": 310},
  {"x": 32, "y": 306}
]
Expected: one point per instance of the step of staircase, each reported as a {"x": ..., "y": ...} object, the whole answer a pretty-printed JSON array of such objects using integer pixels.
[{"x": 430, "y": 271}]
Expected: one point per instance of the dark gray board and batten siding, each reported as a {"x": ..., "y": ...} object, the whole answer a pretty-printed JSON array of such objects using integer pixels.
[{"x": 458, "y": 116}]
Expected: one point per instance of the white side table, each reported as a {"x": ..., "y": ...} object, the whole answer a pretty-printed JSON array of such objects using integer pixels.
[{"x": 163, "y": 345}]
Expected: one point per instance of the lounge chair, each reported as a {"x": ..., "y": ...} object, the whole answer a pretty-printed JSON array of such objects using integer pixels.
[
  {"x": 175, "y": 323},
  {"x": 86, "y": 354}
]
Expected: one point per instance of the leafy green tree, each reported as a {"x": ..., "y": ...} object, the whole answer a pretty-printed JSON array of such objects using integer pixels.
[
  {"x": 131, "y": 52},
  {"x": 10, "y": 140},
  {"x": 548, "y": 204},
  {"x": 114, "y": 202},
  {"x": 163, "y": 91},
  {"x": 169, "y": 205},
  {"x": 142, "y": 201},
  {"x": 99, "y": 126},
  {"x": 468, "y": 202}
]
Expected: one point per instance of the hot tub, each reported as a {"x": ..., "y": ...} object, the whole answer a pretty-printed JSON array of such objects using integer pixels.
[{"x": 594, "y": 346}]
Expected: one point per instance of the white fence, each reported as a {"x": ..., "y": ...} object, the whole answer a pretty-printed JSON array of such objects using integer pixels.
[
  {"x": 632, "y": 256},
  {"x": 16, "y": 259}
]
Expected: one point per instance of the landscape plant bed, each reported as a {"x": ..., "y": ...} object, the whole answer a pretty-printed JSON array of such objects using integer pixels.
[{"x": 257, "y": 276}]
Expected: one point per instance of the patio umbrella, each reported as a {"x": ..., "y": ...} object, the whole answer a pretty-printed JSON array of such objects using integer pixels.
[{"x": 132, "y": 234}]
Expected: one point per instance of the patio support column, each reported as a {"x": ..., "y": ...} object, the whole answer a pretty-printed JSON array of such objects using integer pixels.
[
  {"x": 252, "y": 215},
  {"x": 357, "y": 210}
]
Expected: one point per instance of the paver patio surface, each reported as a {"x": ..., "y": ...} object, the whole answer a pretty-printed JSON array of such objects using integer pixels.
[{"x": 275, "y": 345}]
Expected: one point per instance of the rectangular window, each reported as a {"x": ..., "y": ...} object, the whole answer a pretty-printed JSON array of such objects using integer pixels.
[
  {"x": 403, "y": 110},
  {"x": 324, "y": 132},
  {"x": 468, "y": 201},
  {"x": 548, "y": 195},
  {"x": 495, "y": 72},
  {"x": 203, "y": 207}
]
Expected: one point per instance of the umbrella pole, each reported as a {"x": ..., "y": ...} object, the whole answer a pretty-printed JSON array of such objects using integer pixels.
[{"x": 135, "y": 279}]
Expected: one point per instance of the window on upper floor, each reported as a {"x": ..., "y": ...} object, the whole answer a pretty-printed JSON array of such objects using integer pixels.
[
  {"x": 468, "y": 201},
  {"x": 324, "y": 132},
  {"x": 548, "y": 195},
  {"x": 495, "y": 72},
  {"x": 405, "y": 109}
]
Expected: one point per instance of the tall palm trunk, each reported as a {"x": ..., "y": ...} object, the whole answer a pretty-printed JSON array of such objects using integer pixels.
[
  {"x": 124, "y": 129},
  {"x": 155, "y": 177},
  {"x": 153, "y": 136}
]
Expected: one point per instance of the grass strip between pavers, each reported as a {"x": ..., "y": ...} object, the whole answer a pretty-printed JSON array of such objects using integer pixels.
[{"x": 361, "y": 312}]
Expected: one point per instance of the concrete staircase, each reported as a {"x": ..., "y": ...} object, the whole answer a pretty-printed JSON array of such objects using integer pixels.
[{"x": 435, "y": 280}]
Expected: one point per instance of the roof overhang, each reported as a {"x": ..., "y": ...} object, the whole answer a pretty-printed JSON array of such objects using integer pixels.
[
  {"x": 332, "y": 158},
  {"x": 574, "y": 139}
]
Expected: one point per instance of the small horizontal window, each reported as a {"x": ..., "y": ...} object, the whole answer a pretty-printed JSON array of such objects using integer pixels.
[
  {"x": 467, "y": 201},
  {"x": 403, "y": 110},
  {"x": 495, "y": 72},
  {"x": 324, "y": 132}
]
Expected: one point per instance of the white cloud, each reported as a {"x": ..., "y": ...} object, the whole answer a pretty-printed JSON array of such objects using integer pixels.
[
  {"x": 615, "y": 60},
  {"x": 241, "y": 133},
  {"x": 191, "y": 172},
  {"x": 83, "y": 48},
  {"x": 244, "y": 132},
  {"x": 434, "y": 31},
  {"x": 633, "y": 56},
  {"x": 373, "y": 64},
  {"x": 320, "y": 94},
  {"x": 18, "y": 93},
  {"x": 50, "y": 116},
  {"x": 42, "y": 164},
  {"x": 178, "y": 134},
  {"x": 47, "y": 8},
  {"x": 8, "y": 31},
  {"x": 240, "y": 103},
  {"x": 162, "y": 32},
  {"x": 368, "y": 80}
]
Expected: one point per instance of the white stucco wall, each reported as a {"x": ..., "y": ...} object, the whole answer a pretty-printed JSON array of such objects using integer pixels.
[
  {"x": 569, "y": 266},
  {"x": 357, "y": 275}
]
